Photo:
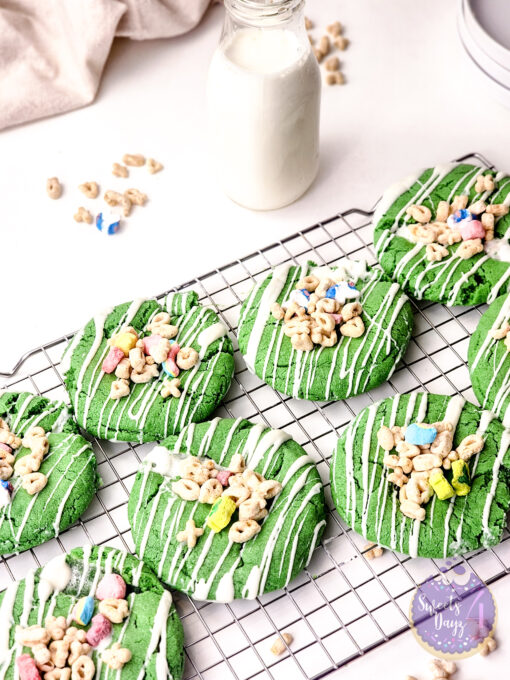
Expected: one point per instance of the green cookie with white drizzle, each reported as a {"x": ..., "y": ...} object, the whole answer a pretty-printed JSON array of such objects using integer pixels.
[
  {"x": 324, "y": 332},
  {"x": 443, "y": 234},
  {"x": 228, "y": 509},
  {"x": 489, "y": 359},
  {"x": 446, "y": 496},
  {"x": 143, "y": 370},
  {"x": 91, "y": 613},
  {"x": 48, "y": 471}
]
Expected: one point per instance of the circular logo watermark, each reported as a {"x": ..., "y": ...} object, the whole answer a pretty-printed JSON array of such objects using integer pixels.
[{"x": 453, "y": 613}]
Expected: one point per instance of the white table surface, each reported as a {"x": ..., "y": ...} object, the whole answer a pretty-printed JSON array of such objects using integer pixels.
[{"x": 409, "y": 102}]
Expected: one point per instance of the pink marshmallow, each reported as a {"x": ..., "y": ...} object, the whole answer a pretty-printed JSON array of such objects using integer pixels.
[
  {"x": 115, "y": 356},
  {"x": 27, "y": 668},
  {"x": 223, "y": 477},
  {"x": 472, "y": 229},
  {"x": 337, "y": 318},
  {"x": 151, "y": 341},
  {"x": 5, "y": 447},
  {"x": 100, "y": 629},
  {"x": 111, "y": 585}
]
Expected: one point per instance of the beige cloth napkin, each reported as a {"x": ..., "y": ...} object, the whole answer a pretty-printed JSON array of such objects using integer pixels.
[{"x": 52, "y": 52}]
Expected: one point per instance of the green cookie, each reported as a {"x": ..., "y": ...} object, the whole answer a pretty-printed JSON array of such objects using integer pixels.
[
  {"x": 152, "y": 631},
  {"x": 69, "y": 465},
  {"x": 351, "y": 366},
  {"x": 452, "y": 280},
  {"x": 489, "y": 361},
  {"x": 217, "y": 568},
  {"x": 144, "y": 415},
  {"x": 369, "y": 503}
]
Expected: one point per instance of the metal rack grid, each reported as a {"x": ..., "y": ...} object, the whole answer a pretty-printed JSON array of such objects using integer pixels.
[{"x": 343, "y": 605}]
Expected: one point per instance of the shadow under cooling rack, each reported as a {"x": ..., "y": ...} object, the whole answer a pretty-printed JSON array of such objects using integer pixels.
[{"x": 343, "y": 605}]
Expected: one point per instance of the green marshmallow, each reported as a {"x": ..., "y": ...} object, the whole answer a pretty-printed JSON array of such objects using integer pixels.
[{"x": 461, "y": 481}]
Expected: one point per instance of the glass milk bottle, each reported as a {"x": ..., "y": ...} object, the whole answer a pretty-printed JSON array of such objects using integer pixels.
[{"x": 263, "y": 97}]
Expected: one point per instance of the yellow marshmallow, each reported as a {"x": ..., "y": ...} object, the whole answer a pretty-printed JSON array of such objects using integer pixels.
[
  {"x": 125, "y": 341},
  {"x": 441, "y": 486},
  {"x": 220, "y": 514}
]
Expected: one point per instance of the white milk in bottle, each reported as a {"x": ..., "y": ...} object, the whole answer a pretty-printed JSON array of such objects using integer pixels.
[{"x": 263, "y": 99}]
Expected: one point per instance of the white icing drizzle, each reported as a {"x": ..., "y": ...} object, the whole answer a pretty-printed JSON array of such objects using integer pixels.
[
  {"x": 163, "y": 461},
  {"x": 269, "y": 443},
  {"x": 503, "y": 448},
  {"x": 65, "y": 362},
  {"x": 377, "y": 498},
  {"x": 302, "y": 378},
  {"x": 497, "y": 399},
  {"x": 270, "y": 295},
  {"x": 450, "y": 264},
  {"x": 210, "y": 335},
  {"x": 6, "y": 610},
  {"x": 454, "y": 409},
  {"x": 343, "y": 270},
  {"x": 132, "y": 413},
  {"x": 54, "y": 577},
  {"x": 260, "y": 447},
  {"x": 225, "y": 592}
]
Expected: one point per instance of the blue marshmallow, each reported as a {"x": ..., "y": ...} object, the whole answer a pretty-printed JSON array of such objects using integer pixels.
[
  {"x": 108, "y": 224},
  {"x": 420, "y": 434}
]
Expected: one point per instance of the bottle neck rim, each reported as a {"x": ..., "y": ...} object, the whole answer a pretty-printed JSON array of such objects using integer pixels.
[{"x": 263, "y": 12}]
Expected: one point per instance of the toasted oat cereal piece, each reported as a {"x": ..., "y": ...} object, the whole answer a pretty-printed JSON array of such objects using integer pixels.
[
  {"x": 335, "y": 78},
  {"x": 135, "y": 160},
  {"x": 442, "y": 212},
  {"x": 120, "y": 170},
  {"x": 83, "y": 215},
  {"x": 489, "y": 646},
  {"x": 332, "y": 64},
  {"x": 278, "y": 646},
  {"x": 459, "y": 203},
  {"x": 319, "y": 54},
  {"x": 497, "y": 209},
  {"x": 341, "y": 43},
  {"x": 90, "y": 189},
  {"x": 308, "y": 24},
  {"x": 373, "y": 551},
  {"x": 470, "y": 248},
  {"x": 154, "y": 166},
  {"x": 335, "y": 29},
  {"x": 136, "y": 196},
  {"x": 420, "y": 213},
  {"x": 435, "y": 252},
  {"x": 53, "y": 188},
  {"x": 324, "y": 45}
]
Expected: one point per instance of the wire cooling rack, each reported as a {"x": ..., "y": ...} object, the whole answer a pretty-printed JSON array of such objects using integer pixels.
[{"x": 343, "y": 605}]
